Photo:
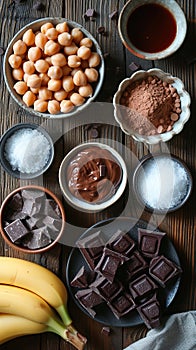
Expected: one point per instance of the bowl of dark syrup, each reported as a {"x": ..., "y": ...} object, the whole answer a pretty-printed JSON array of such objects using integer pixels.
[{"x": 152, "y": 29}]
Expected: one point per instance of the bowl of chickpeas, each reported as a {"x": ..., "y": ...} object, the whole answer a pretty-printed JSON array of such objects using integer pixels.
[{"x": 53, "y": 68}]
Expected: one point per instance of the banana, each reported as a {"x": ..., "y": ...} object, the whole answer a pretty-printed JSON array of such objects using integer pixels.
[{"x": 23, "y": 303}]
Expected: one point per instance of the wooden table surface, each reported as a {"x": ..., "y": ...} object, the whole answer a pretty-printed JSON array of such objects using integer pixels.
[{"x": 180, "y": 225}]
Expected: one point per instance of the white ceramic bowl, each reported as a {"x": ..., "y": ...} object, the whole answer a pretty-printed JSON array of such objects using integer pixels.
[
  {"x": 35, "y": 26},
  {"x": 78, "y": 202},
  {"x": 178, "y": 125},
  {"x": 170, "y": 5}
]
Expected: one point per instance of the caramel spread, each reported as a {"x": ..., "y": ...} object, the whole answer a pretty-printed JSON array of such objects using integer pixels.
[{"x": 93, "y": 174}]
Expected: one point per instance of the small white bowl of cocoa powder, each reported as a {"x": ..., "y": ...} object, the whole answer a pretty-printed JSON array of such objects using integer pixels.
[{"x": 151, "y": 106}]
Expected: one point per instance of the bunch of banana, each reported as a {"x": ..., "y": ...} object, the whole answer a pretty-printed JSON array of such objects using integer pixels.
[{"x": 29, "y": 296}]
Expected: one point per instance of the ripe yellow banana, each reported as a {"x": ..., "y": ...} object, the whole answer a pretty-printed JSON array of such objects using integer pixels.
[{"x": 23, "y": 303}]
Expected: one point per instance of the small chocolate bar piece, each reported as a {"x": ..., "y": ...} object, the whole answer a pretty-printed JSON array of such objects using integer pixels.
[
  {"x": 121, "y": 243},
  {"x": 107, "y": 290},
  {"x": 37, "y": 238},
  {"x": 134, "y": 66},
  {"x": 16, "y": 230},
  {"x": 89, "y": 299},
  {"x": 135, "y": 265},
  {"x": 163, "y": 270},
  {"x": 122, "y": 304},
  {"x": 142, "y": 287},
  {"x": 109, "y": 263},
  {"x": 91, "y": 248},
  {"x": 105, "y": 330},
  {"x": 81, "y": 279},
  {"x": 150, "y": 312},
  {"x": 149, "y": 242}
]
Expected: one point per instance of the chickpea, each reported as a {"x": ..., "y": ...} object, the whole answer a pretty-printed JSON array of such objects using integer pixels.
[
  {"x": 19, "y": 47},
  {"x": 62, "y": 27},
  {"x": 66, "y": 106},
  {"x": 29, "y": 98},
  {"x": 20, "y": 87},
  {"x": 41, "y": 66},
  {"x": 77, "y": 35},
  {"x": 45, "y": 79},
  {"x": 17, "y": 73},
  {"x": 86, "y": 91},
  {"x": 58, "y": 60},
  {"x": 35, "y": 90},
  {"x": 74, "y": 61},
  {"x": 80, "y": 79},
  {"x": 15, "y": 61},
  {"x": 76, "y": 99},
  {"x": 52, "y": 33},
  {"x": 40, "y": 106},
  {"x": 55, "y": 72},
  {"x": 45, "y": 27},
  {"x": 86, "y": 42},
  {"x": 53, "y": 107},
  {"x": 54, "y": 84},
  {"x": 94, "y": 60},
  {"x": 65, "y": 39},
  {"x": 84, "y": 52},
  {"x": 51, "y": 47},
  {"x": 40, "y": 40},
  {"x": 29, "y": 37},
  {"x": 75, "y": 70},
  {"x": 66, "y": 70},
  {"x": 92, "y": 74},
  {"x": 34, "y": 81},
  {"x": 25, "y": 77},
  {"x": 28, "y": 67},
  {"x": 60, "y": 95},
  {"x": 44, "y": 94},
  {"x": 48, "y": 59},
  {"x": 68, "y": 84},
  {"x": 71, "y": 49},
  {"x": 34, "y": 53}
]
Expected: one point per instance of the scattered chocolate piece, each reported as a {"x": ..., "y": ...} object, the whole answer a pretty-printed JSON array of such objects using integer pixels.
[
  {"x": 107, "y": 290},
  {"x": 163, "y": 270},
  {"x": 37, "y": 238},
  {"x": 134, "y": 66},
  {"x": 113, "y": 15},
  {"x": 89, "y": 14},
  {"x": 122, "y": 243},
  {"x": 101, "y": 30},
  {"x": 150, "y": 312},
  {"x": 149, "y": 242},
  {"x": 1, "y": 51},
  {"x": 122, "y": 304},
  {"x": 106, "y": 330},
  {"x": 142, "y": 287},
  {"x": 16, "y": 230}
]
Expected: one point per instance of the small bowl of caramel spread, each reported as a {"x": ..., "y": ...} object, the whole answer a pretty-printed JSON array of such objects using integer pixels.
[
  {"x": 153, "y": 29},
  {"x": 92, "y": 176}
]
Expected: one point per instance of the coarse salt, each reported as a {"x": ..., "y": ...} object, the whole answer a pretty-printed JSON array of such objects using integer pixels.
[
  {"x": 27, "y": 150},
  {"x": 163, "y": 183}
]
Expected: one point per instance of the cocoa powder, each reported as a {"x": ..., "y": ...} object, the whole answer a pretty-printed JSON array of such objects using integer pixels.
[{"x": 152, "y": 106}]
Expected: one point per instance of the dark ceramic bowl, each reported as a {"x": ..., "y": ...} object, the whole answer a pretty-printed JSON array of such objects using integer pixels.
[
  {"x": 3, "y": 213},
  {"x": 5, "y": 163},
  {"x": 139, "y": 174}
]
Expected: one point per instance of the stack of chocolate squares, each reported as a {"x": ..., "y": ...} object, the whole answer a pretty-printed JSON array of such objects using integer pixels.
[
  {"x": 32, "y": 219},
  {"x": 124, "y": 275}
]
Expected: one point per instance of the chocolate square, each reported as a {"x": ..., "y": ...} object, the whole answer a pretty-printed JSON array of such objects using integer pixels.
[
  {"x": 163, "y": 270},
  {"x": 134, "y": 266},
  {"x": 149, "y": 242},
  {"x": 81, "y": 279},
  {"x": 142, "y": 287},
  {"x": 16, "y": 230},
  {"x": 121, "y": 243},
  {"x": 150, "y": 312},
  {"x": 107, "y": 290},
  {"x": 122, "y": 304},
  {"x": 88, "y": 299},
  {"x": 91, "y": 248},
  {"x": 109, "y": 263}
]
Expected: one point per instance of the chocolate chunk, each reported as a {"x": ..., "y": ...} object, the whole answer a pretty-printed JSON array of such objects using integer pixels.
[
  {"x": 150, "y": 312},
  {"x": 109, "y": 263},
  {"x": 52, "y": 223},
  {"x": 106, "y": 330},
  {"x": 16, "y": 202},
  {"x": 33, "y": 195},
  {"x": 51, "y": 208},
  {"x": 16, "y": 230},
  {"x": 94, "y": 133},
  {"x": 122, "y": 304},
  {"x": 163, "y": 270},
  {"x": 149, "y": 242},
  {"x": 134, "y": 66},
  {"x": 107, "y": 290},
  {"x": 101, "y": 30},
  {"x": 142, "y": 287},
  {"x": 134, "y": 266},
  {"x": 81, "y": 279},
  {"x": 91, "y": 248},
  {"x": 37, "y": 238},
  {"x": 33, "y": 222},
  {"x": 89, "y": 299},
  {"x": 17, "y": 215},
  {"x": 90, "y": 13},
  {"x": 39, "y": 6},
  {"x": 113, "y": 15},
  {"x": 30, "y": 207},
  {"x": 122, "y": 243}
]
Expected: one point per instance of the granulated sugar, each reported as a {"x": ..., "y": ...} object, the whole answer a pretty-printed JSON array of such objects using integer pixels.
[
  {"x": 163, "y": 183},
  {"x": 27, "y": 150}
]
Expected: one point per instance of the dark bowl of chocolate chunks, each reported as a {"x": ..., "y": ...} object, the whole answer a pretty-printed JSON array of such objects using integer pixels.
[{"x": 32, "y": 219}]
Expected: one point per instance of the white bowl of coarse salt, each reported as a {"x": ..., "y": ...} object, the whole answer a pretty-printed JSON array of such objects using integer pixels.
[
  {"x": 26, "y": 151},
  {"x": 162, "y": 182}
]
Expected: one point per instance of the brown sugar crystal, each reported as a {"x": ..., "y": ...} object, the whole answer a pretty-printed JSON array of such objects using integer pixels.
[{"x": 153, "y": 106}]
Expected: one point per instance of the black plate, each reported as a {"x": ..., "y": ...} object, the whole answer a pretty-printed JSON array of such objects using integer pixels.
[{"x": 103, "y": 314}]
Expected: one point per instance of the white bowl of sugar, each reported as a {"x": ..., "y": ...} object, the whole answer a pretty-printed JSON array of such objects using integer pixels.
[{"x": 162, "y": 183}]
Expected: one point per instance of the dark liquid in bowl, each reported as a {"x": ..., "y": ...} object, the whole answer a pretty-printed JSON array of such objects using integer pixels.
[{"x": 151, "y": 28}]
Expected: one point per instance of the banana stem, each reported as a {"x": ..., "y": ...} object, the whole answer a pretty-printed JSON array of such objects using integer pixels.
[{"x": 64, "y": 315}]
